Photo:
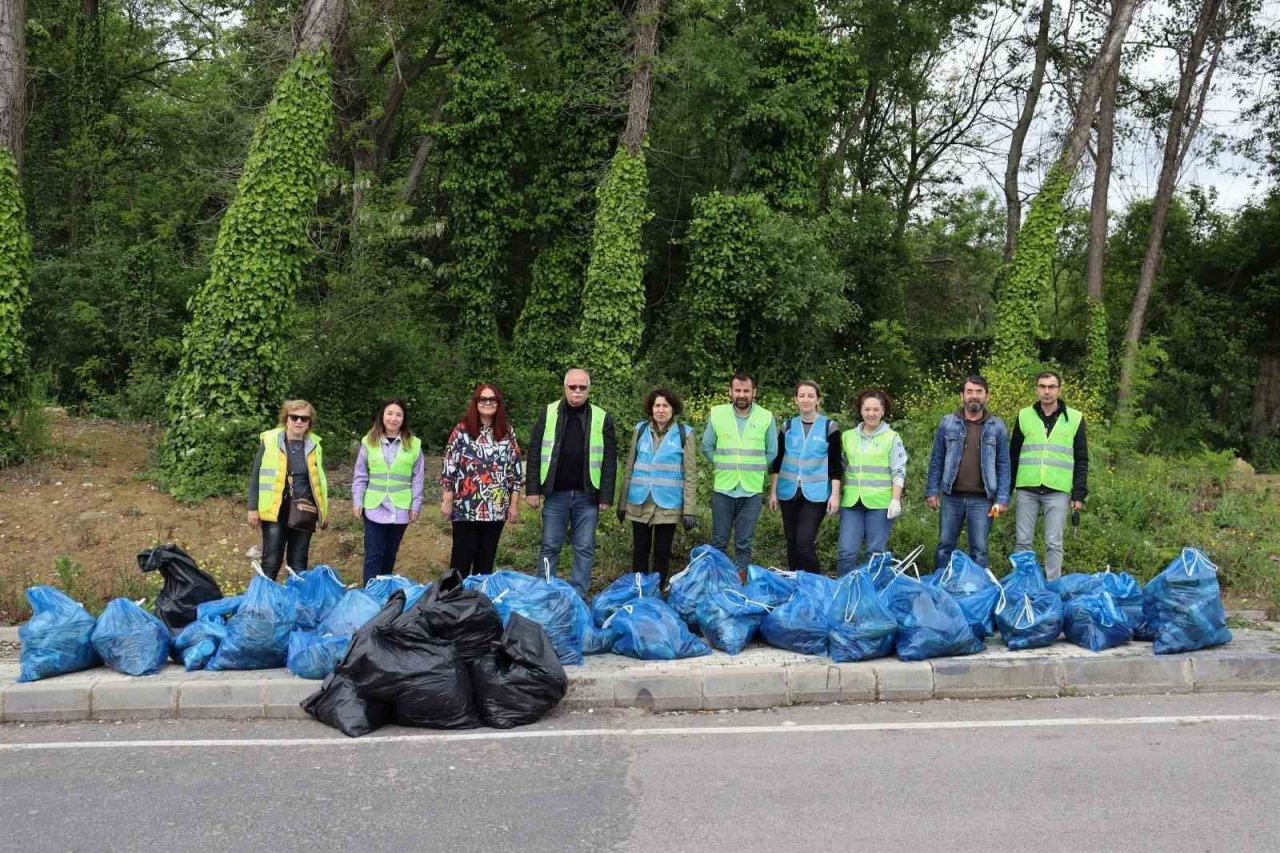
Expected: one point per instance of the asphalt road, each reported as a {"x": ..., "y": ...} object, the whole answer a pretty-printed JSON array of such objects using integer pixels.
[{"x": 1152, "y": 773}]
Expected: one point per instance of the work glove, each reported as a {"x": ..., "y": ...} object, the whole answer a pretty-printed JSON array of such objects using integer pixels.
[
  {"x": 622, "y": 514},
  {"x": 895, "y": 509},
  {"x": 689, "y": 522}
]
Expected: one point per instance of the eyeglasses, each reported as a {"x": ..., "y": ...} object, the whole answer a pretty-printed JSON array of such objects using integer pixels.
[
  {"x": 1046, "y": 387},
  {"x": 577, "y": 387},
  {"x": 302, "y": 419},
  {"x": 487, "y": 401}
]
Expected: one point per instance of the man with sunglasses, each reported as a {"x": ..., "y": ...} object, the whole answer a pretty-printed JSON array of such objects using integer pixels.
[
  {"x": 1050, "y": 458},
  {"x": 572, "y": 465}
]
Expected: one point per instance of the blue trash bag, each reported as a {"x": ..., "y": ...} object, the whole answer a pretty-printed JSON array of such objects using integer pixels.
[
  {"x": 199, "y": 642},
  {"x": 930, "y": 623},
  {"x": 350, "y": 613},
  {"x": 880, "y": 569},
  {"x": 1032, "y": 623},
  {"x": 769, "y": 586},
  {"x": 315, "y": 655},
  {"x": 317, "y": 590},
  {"x": 648, "y": 629},
  {"x": 800, "y": 624},
  {"x": 131, "y": 640},
  {"x": 1027, "y": 578},
  {"x": 1127, "y": 592},
  {"x": 1092, "y": 620},
  {"x": 59, "y": 636},
  {"x": 974, "y": 588},
  {"x": 381, "y": 587},
  {"x": 622, "y": 591},
  {"x": 1182, "y": 605},
  {"x": 550, "y": 607},
  {"x": 729, "y": 619},
  {"x": 504, "y": 579},
  {"x": 474, "y": 581},
  {"x": 709, "y": 571},
  {"x": 220, "y": 609},
  {"x": 859, "y": 626},
  {"x": 258, "y": 633},
  {"x": 1075, "y": 583}
]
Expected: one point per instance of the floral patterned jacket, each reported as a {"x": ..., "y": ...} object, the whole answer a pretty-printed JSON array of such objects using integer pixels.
[{"x": 482, "y": 473}]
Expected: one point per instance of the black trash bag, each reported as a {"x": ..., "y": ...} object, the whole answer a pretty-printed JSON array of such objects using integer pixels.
[
  {"x": 337, "y": 703},
  {"x": 421, "y": 678},
  {"x": 186, "y": 586},
  {"x": 521, "y": 678},
  {"x": 465, "y": 617}
]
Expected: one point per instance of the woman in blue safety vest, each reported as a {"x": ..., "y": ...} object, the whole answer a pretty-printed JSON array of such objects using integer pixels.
[
  {"x": 875, "y": 473},
  {"x": 660, "y": 484},
  {"x": 806, "y": 476},
  {"x": 387, "y": 486}
]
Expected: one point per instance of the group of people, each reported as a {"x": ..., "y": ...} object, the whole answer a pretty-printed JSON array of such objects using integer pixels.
[{"x": 806, "y": 468}]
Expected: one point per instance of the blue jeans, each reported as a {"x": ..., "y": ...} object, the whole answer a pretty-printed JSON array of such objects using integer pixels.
[
  {"x": 735, "y": 517},
  {"x": 381, "y": 544},
  {"x": 563, "y": 512},
  {"x": 955, "y": 512},
  {"x": 857, "y": 525}
]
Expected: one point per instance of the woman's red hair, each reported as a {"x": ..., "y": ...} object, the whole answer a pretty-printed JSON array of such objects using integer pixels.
[{"x": 471, "y": 420}]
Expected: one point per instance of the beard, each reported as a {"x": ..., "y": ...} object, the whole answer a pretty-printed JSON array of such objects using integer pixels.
[{"x": 974, "y": 408}]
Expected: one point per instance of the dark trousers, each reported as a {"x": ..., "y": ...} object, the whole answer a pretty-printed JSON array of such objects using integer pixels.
[
  {"x": 276, "y": 539},
  {"x": 655, "y": 539},
  {"x": 800, "y": 522},
  {"x": 475, "y": 546},
  {"x": 381, "y": 544}
]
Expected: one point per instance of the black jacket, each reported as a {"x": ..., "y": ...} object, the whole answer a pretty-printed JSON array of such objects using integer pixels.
[{"x": 608, "y": 468}]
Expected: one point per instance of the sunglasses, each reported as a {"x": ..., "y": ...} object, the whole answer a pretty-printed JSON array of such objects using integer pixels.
[
  {"x": 302, "y": 419},
  {"x": 487, "y": 400},
  {"x": 577, "y": 387}
]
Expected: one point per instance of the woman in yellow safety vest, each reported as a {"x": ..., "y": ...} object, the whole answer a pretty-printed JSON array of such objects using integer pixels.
[
  {"x": 387, "y": 486},
  {"x": 481, "y": 480},
  {"x": 875, "y": 472},
  {"x": 289, "y": 467}
]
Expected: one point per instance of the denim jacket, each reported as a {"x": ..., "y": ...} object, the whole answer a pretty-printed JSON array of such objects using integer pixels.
[{"x": 948, "y": 445}]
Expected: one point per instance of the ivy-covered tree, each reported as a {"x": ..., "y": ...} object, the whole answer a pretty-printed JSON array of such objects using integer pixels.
[
  {"x": 15, "y": 241},
  {"x": 231, "y": 376}
]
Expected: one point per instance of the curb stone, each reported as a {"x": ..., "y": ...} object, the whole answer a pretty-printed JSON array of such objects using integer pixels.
[{"x": 760, "y": 677}]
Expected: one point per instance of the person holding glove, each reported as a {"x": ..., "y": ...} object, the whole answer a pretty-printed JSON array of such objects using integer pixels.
[
  {"x": 660, "y": 483},
  {"x": 875, "y": 473}
]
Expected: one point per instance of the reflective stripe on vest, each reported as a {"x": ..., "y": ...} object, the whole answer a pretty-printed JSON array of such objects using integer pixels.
[
  {"x": 274, "y": 470},
  {"x": 804, "y": 461},
  {"x": 394, "y": 480},
  {"x": 866, "y": 472},
  {"x": 740, "y": 457},
  {"x": 658, "y": 472},
  {"x": 1047, "y": 458},
  {"x": 595, "y": 447}
]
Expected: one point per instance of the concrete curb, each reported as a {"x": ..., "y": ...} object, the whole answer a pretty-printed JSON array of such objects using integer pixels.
[{"x": 760, "y": 677}]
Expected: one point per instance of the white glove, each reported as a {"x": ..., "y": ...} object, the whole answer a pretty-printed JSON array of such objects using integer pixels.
[{"x": 895, "y": 509}]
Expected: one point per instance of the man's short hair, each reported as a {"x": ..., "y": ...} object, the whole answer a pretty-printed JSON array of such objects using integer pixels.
[
  {"x": 1049, "y": 374},
  {"x": 975, "y": 379},
  {"x": 743, "y": 376},
  {"x": 576, "y": 370}
]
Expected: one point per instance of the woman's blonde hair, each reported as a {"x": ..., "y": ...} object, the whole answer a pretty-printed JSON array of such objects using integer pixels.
[{"x": 294, "y": 405}]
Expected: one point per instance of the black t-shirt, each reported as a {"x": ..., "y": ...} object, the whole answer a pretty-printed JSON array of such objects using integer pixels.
[
  {"x": 571, "y": 468},
  {"x": 297, "y": 453}
]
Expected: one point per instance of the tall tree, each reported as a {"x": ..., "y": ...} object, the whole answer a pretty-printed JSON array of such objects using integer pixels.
[
  {"x": 613, "y": 300},
  {"x": 15, "y": 241},
  {"x": 1097, "y": 356},
  {"x": 1212, "y": 28},
  {"x": 231, "y": 375},
  {"x": 1018, "y": 138}
]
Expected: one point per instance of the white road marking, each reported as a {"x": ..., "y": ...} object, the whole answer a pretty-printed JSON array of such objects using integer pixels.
[{"x": 669, "y": 731}]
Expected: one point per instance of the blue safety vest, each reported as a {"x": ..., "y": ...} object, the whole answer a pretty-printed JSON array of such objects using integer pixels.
[
  {"x": 804, "y": 461},
  {"x": 658, "y": 472}
]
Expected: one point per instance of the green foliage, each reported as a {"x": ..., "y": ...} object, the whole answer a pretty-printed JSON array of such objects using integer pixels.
[
  {"x": 234, "y": 351},
  {"x": 1097, "y": 367},
  {"x": 613, "y": 299},
  {"x": 15, "y": 275},
  {"x": 480, "y": 151},
  {"x": 1032, "y": 270}
]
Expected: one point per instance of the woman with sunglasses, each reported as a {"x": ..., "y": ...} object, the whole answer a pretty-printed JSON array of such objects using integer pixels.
[
  {"x": 481, "y": 481},
  {"x": 386, "y": 489},
  {"x": 288, "y": 469}
]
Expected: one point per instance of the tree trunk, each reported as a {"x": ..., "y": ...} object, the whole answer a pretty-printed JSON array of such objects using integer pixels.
[
  {"x": 13, "y": 76},
  {"x": 1266, "y": 398},
  {"x": 1106, "y": 123},
  {"x": 646, "y": 17},
  {"x": 1012, "y": 200},
  {"x": 320, "y": 24},
  {"x": 1108, "y": 55},
  {"x": 1184, "y": 121},
  {"x": 424, "y": 151}
]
